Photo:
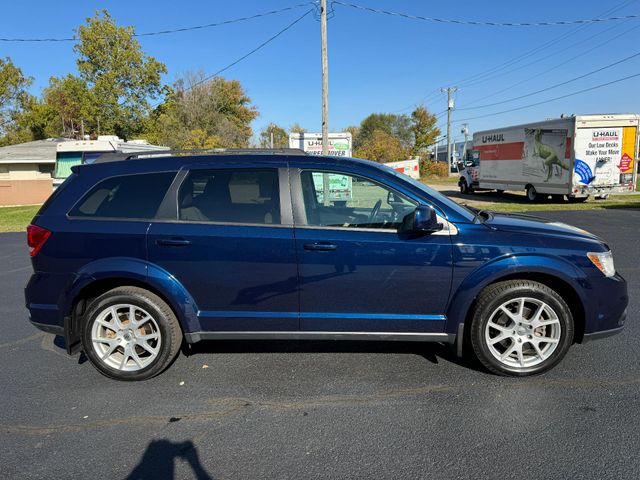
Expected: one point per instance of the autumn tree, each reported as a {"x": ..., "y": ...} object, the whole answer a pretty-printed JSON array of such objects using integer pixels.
[
  {"x": 13, "y": 92},
  {"x": 382, "y": 147},
  {"x": 296, "y": 128},
  {"x": 423, "y": 127},
  {"x": 218, "y": 107},
  {"x": 280, "y": 137}
]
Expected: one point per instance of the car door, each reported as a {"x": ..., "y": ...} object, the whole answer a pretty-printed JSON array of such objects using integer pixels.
[
  {"x": 357, "y": 272},
  {"x": 231, "y": 246}
]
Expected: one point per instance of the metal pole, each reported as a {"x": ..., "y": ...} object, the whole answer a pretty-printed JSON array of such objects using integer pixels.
[
  {"x": 449, "y": 91},
  {"x": 325, "y": 78}
]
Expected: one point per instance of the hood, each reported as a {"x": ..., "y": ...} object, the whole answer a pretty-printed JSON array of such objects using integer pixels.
[{"x": 521, "y": 223}]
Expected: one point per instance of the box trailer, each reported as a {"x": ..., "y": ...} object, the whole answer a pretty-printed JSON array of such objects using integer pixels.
[{"x": 576, "y": 156}]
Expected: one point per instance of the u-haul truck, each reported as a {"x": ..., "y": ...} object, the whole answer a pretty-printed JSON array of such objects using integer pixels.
[{"x": 575, "y": 156}]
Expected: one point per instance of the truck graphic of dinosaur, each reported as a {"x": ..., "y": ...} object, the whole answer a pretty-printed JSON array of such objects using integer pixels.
[{"x": 548, "y": 154}]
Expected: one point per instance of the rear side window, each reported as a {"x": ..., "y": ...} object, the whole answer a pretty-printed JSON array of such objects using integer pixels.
[
  {"x": 230, "y": 196},
  {"x": 125, "y": 196}
]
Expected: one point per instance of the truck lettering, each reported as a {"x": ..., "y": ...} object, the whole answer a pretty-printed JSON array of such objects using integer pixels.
[{"x": 495, "y": 137}]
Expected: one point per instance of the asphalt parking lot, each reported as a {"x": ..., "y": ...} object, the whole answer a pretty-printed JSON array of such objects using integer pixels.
[{"x": 322, "y": 409}]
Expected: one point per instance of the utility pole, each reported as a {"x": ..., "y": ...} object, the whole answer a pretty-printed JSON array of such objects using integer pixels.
[
  {"x": 465, "y": 131},
  {"x": 450, "y": 105},
  {"x": 325, "y": 78}
]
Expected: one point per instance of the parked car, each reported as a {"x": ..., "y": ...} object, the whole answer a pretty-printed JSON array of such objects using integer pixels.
[{"x": 133, "y": 256}]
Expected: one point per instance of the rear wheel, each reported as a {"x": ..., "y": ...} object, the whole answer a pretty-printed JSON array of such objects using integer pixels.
[
  {"x": 130, "y": 334},
  {"x": 532, "y": 193},
  {"x": 464, "y": 186},
  {"x": 521, "y": 328}
]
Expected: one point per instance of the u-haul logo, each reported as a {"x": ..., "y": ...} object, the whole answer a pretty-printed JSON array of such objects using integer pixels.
[{"x": 493, "y": 138}]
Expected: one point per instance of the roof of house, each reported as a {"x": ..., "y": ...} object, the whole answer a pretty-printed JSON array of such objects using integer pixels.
[{"x": 31, "y": 152}]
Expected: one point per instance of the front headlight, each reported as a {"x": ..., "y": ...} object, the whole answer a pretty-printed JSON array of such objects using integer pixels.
[{"x": 604, "y": 262}]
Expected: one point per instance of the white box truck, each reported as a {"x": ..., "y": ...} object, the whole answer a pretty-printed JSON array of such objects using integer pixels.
[{"x": 576, "y": 156}]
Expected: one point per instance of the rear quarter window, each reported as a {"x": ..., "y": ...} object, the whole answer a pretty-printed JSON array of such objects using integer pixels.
[{"x": 125, "y": 196}]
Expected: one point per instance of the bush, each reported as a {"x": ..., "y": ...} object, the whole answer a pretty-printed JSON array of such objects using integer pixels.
[{"x": 431, "y": 168}]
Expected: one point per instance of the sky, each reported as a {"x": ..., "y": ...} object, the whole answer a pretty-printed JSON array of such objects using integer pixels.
[{"x": 377, "y": 62}]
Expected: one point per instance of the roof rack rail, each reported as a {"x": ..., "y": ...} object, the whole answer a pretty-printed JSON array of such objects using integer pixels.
[{"x": 117, "y": 156}]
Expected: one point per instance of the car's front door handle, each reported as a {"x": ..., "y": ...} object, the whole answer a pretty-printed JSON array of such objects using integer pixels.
[
  {"x": 320, "y": 246},
  {"x": 173, "y": 242}
]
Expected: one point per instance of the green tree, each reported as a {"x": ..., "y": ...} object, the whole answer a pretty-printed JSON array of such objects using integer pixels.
[
  {"x": 423, "y": 127},
  {"x": 119, "y": 77},
  {"x": 280, "y": 137},
  {"x": 13, "y": 92},
  {"x": 397, "y": 126},
  {"x": 382, "y": 147}
]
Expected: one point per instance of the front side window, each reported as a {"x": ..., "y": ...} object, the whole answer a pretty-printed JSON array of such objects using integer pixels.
[
  {"x": 125, "y": 196},
  {"x": 341, "y": 200},
  {"x": 230, "y": 196}
]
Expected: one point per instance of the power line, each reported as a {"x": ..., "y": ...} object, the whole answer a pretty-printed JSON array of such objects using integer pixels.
[
  {"x": 553, "y": 86},
  {"x": 485, "y": 24},
  {"x": 551, "y": 99},
  {"x": 491, "y": 73},
  {"x": 558, "y": 65},
  {"x": 248, "y": 54},
  {"x": 170, "y": 31}
]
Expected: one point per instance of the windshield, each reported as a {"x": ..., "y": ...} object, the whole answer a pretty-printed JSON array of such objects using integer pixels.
[{"x": 462, "y": 211}]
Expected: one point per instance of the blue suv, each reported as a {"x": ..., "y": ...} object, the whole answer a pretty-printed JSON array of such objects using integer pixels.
[{"x": 133, "y": 256}]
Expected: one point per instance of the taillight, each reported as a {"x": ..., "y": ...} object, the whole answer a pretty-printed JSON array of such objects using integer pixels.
[{"x": 36, "y": 236}]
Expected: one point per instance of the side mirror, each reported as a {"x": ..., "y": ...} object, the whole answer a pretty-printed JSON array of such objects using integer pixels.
[{"x": 422, "y": 220}]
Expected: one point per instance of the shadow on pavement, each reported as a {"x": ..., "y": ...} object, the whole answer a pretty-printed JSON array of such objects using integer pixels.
[
  {"x": 430, "y": 351},
  {"x": 158, "y": 461}
]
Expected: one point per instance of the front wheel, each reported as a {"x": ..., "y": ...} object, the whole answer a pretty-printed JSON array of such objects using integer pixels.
[
  {"x": 130, "y": 334},
  {"x": 521, "y": 328}
]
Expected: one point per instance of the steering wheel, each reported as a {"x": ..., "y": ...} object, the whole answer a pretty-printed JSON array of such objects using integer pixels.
[{"x": 375, "y": 211}]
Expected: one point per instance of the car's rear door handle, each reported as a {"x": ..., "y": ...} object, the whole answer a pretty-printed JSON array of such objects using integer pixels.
[
  {"x": 173, "y": 242},
  {"x": 320, "y": 246}
]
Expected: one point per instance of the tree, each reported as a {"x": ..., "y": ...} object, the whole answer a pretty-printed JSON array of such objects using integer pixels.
[
  {"x": 425, "y": 132},
  {"x": 69, "y": 102},
  {"x": 296, "y": 128},
  {"x": 119, "y": 77},
  {"x": 355, "y": 133},
  {"x": 382, "y": 147},
  {"x": 218, "y": 107},
  {"x": 13, "y": 92},
  {"x": 398, "y": 126},
  {"x": 280, "y": 137}
]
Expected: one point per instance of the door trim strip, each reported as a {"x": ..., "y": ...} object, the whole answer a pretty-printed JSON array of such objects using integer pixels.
[{"x": 193, "y": 337}]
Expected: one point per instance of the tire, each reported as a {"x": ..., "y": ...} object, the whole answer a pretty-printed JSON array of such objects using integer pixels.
[
  {"x": 532, "y": 193},
  {"x": 464, "y": 186},
  {"x": 572, "y": 199},
  {"x": 510, "y": 344},
  {"x": 123, "y": 353}
]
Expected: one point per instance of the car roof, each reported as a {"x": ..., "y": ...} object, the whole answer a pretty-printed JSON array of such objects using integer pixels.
[{"x": 120, "y": 163}]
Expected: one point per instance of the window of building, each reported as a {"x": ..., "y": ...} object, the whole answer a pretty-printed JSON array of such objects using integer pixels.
[
  {"x": 126, "y": 196},
  {"x": 341, "y": 200},
  {"x": 230, "y": 196}
]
